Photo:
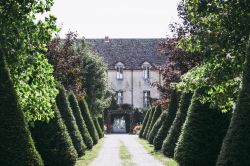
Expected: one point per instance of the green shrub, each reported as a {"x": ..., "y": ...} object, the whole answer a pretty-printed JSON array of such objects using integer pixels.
[
  {"x": 89, "y": 121},
  {"x": 69, "y": 120},
  {"x": 156, "y": 127},
  {"x": 101, "y": 123},
  {"x": 144, "y": 123},
  {"x": 79, "y": 120},
  {"x": 171, "y": 112},
  {"x": 235, "y": 149},
  {"x": 16, "y": 145},
  {"x": 98, "y": 128},
  {"x": 175, "y": 130},
  {"x": 53, "y": 142},
  {"x": 151, "y": 110},
  {"x": 202, "y": 134},
  {"x": 156, "y": 115}
]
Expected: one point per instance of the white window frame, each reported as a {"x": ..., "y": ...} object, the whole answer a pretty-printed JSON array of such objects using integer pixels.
[
  {"x": 146, "y": 71},
  {"x": 119, "y": 73},
  {"x": 119, "y": 97},
  {"x": 146, "y": 98}
]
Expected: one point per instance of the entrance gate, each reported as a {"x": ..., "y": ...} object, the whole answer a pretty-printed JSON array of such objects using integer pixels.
[{"x": 120, "y": 121}]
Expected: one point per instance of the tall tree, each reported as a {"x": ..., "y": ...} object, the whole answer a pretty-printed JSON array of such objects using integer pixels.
[
  {"x": 17, "y": 147},
  {"x": 156, "y": 115},
  {"x": 144, "y": 123},
  {"x": 94, "y": 72},
  {"x": 23, "y": 41},
  {"x": 236, "y": 146}
]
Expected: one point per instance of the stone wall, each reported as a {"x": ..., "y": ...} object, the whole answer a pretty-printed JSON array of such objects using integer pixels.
[{"x": 133, "y": 84}]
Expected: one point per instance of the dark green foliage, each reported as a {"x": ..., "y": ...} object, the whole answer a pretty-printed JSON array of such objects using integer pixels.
[
  {"x": 53, "y": 142},
  {"x": 171, "y": 112},
  {"x": 156, "y": 127},
  {"x": 152, "y": 110},
  {"x": 89, "y": 121},
  {"x": 156, "y": 115},
  {"x": 16, "y": 145},
  {"x": 101, "y": 123},
  {"x": 235, "y": 149},
  {"x": 69, "y": 120},
  {"x": 144, "y": 123},
  {"x": 202, "y": 134},
  {"x": 98, "y": 128},
  {"x": 79, "y": 120},
  {"x": 175, "y": 130}
]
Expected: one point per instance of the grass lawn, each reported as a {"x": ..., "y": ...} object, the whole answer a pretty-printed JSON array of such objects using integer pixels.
[
  {"x": 90, "y": 155},
  {"x": 125, "y": 156},
  {"x": 157, "y": 154}
]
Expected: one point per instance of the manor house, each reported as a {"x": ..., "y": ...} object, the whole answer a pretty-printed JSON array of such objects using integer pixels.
[{"x": 131, "y": 68}]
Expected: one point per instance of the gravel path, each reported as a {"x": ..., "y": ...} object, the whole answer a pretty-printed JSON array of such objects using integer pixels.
[{"x": 109, "y": 153}]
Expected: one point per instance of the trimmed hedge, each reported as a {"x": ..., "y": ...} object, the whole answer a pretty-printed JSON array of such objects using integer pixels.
[
  {"x": 79, "y": 120},
  {"x": 152, "y": 110},
  {"x": 69, "y": 120},
  {"x": 89, "y": 121},
  {"x": 235, "y": 149},
  {"x": 156, "y": 115},
  {"x": 171, "y": 112},
  {"x": 175, "y": 130},
  {"x": 101, "y": 123},
  {"x": 53, "y": 141},
  {"x": 156, "y": 127},
  {"x": 144, "y": 123},
  {"x": 98, "y": 128},
  {"x": 16, "y": 145},
  {"x": 202, "y": 134}
]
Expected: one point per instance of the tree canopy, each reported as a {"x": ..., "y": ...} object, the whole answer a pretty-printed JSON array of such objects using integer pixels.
[{"x": 23, "y": 42}]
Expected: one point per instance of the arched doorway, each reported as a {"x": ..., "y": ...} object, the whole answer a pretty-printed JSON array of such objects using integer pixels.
[{"x": 120, "y": 121}]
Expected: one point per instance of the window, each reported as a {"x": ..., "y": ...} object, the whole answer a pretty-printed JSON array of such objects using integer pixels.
[
  {"x": 146, "y": 98},
  {"x": 146, "y": 72},
  {"x": 119, "y": 97},
  {"x": 119, "y": 70},
  {"x": 119, "y": 73},
  {"x": 146, "y": 69}
]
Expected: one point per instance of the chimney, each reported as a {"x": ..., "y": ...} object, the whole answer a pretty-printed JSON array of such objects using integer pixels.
[{"x": 106, "y": 40}]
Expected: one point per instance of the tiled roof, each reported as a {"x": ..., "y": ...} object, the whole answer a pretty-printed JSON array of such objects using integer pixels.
[{"x": 131, "y": 52}]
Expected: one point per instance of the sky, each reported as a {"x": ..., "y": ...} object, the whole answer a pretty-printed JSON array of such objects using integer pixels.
[{"x": 116, "y": 18}]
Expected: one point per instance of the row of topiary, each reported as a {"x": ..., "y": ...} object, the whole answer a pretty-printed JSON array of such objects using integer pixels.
[
  {"x": 189, "y": 131},
  {"x": 59, "y": 141}
]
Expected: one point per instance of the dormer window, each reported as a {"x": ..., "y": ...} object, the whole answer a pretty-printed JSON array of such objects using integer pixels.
[
  {"x": 146, "y": 70},
  {"x": 119, "y": 70}
]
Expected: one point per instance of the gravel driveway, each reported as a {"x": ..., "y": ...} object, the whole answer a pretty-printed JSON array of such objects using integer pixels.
[{"x": 109, "y": 153}]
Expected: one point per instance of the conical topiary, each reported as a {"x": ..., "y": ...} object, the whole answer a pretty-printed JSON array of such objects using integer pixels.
[
  {"x": 151, "y": 110},
  {"x": 144, "y": 123},
  {"x": 53, "y": 142},
  {"x": 69, "y": 120},
  {"x": 98, "y": 128},
  {"x": 16, "y": 145},
  {"x": 156, "y": 127},
  {"x": 156, "y": 115},
  {"x": 171, "y": 112},
  {"x": 202, "y": 134},
  {"x": 101, "y": 123},
  {"x": 235, "y": 149},
  {"x": 88, "y": 120},
  {"x": 175, "y": 130},
  {"x": 79, "y": 120}
]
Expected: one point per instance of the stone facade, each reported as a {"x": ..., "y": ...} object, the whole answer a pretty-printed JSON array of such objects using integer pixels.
[{"x": 131, "y": 68}]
